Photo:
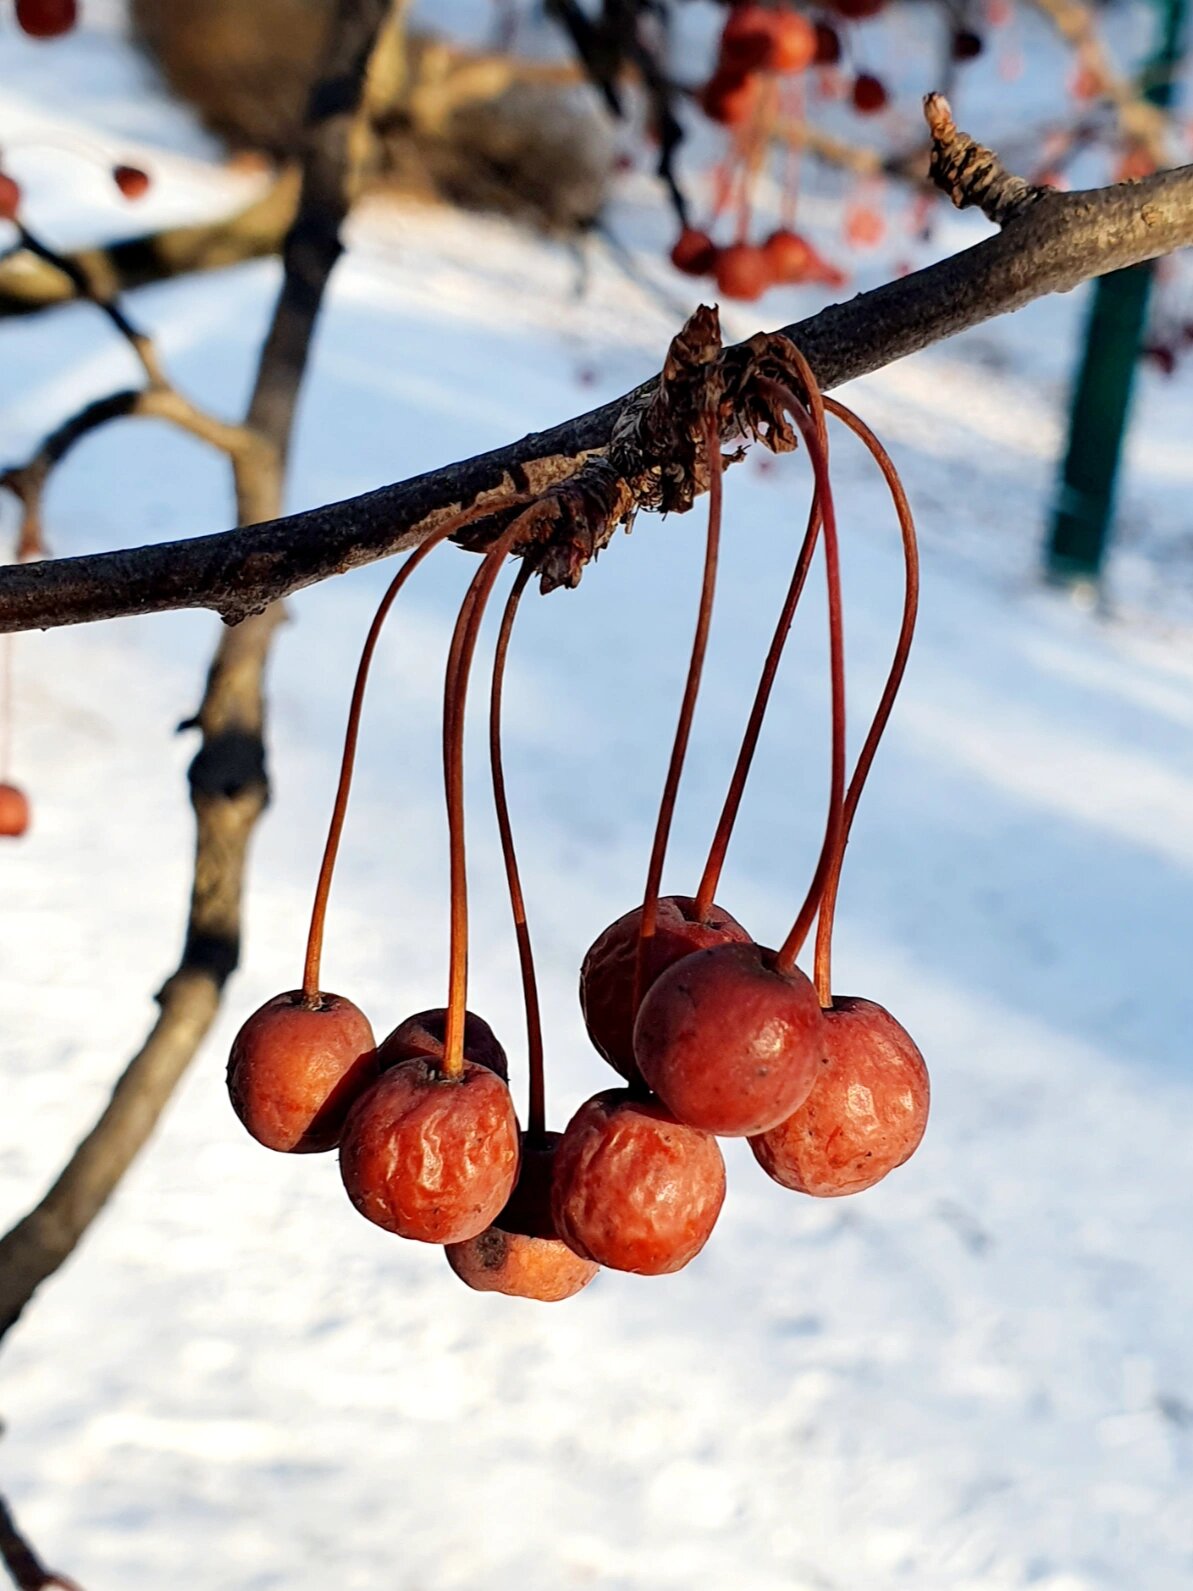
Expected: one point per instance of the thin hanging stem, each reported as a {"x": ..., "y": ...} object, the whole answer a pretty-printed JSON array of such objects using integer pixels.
[
  {"x": 911, "y": 592},
  {"x": 812, "y": 429},
  {"x": 314, "y": 950},
  {"x": 683, "y": 728},
  {"x": 455, "y": 698},
  {"x": 537, "y": 1111},
  {"x": 710, "y": 881}
]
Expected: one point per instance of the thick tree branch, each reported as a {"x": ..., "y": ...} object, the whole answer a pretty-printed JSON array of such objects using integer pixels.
[
  {"x": 229, "y": 787},
  {"x": 1049, "y": 245}
]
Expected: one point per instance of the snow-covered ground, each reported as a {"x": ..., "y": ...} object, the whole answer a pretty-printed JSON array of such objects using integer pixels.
[{"x": 976, "y": 1377}]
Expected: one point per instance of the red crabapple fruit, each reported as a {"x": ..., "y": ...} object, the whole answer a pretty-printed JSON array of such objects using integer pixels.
[
  {"x": 634, "y": 1189},
  {"x": 423, "y": 1034},
  {"x": 295, "y": 1070},
  {"x": 520, "y": 1254},
  {"x": 729, "y": 1043},
  {"x": 607, "y": 972},
  {"x": 865, "y": 1115},
  {"x": 431, "y": 1157}
]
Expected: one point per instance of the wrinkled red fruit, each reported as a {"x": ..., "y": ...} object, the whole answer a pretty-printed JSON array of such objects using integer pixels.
[
  {"x": 694, "y": 252},
  {"x": 743, "y": 271},
  {"x": 869, "y": 94},
  {"x": 423, "y": 1035},
  {"x": 607, "y": 972},
  {"x": 47, "y": 19},
  {"x": 729, "y": 1044},
  {"x": 634, "y": 1189},
  {"x": 131, "y": 180},
  {"x": 10, "y": 197},
  {"x": 865, "y": 1115},
  {"x": 14, "y": 812},
  {"x": 295, "y": 1070},
  {"x": 429, "y": 1157},
  {"x": 520, "y": 1255}
]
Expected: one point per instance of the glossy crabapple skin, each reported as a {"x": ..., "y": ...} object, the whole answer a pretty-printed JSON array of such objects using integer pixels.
[
  {"x": 607, "y": 972},
  {"x": 295, "y": 1070},
  {"x": 423, "y": 1034},
  {"x": 729, "y": 1044},
  {"x": 429, "y": 1157},
  {"x": 866, "y": 1113},
  {"x": 14, "y": 812},
  {"x": 520, "y": 1254},
  {"x": 634, "y": 1189}
]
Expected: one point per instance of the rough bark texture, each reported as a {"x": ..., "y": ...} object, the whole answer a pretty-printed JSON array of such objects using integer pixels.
[
  {"x": 228, "y": 780},
  {"x": 1049, "y": 245}
]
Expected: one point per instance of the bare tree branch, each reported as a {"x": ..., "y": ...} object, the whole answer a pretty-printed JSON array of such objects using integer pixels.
[
  {"x": 1050, "y": 244},
  {"x": 26, "y": 1569},
  {"x": 229, "y": 787}
]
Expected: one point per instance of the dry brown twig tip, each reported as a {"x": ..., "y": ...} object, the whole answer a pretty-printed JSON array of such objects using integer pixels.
[{"x": 970, "y": 173}]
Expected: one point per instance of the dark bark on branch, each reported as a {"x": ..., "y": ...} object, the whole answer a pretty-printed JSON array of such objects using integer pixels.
[
  {"x": 25, "y": 1568},
  {"x": 1050, "y": 245},
  {"x": 228, "y": 779}
]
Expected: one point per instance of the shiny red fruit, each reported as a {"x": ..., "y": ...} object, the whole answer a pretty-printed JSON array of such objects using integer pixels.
[
  {"x": 131, "y": 180},
  {"x": 46, "y": 19},
  {"x": 520, "y": 1254},
  {"x": 295, "y": 1070},
  {"x": 636, "y": 1190},
  {"x": 869, "y": 94},
  {"x": 694, "y": 252},
  {"x": 14, "y": 812},
  {"x": 423, "y": 1035},
  {"x": 728, "y": 1043},
  {"x": 10, "y": 197},
  {"x": 743, "y": 271},
  {"x": 607, "y": 972},
  {"x": 865, "y": 1115},
  {"x": 429, "y": 1157}
]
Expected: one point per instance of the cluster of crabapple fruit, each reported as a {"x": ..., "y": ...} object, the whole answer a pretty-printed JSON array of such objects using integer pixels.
[{"x": 713, "y": 1034}]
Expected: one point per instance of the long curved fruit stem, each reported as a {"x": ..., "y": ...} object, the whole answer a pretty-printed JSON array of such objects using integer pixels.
[
  {"x": 911, "y": 591},
  {"x": 536, "y": 1124},
  {"x": 687, "y": 708}
]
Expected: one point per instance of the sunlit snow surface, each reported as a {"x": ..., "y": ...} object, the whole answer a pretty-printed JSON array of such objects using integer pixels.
[{"x": 978, "y": 1375}]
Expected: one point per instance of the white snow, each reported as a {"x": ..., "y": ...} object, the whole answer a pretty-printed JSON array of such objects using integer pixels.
[{"x": 976, "y": 1377}]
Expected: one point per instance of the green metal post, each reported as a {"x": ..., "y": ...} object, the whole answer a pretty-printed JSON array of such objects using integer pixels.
[{"x": 1102, "y": 397}]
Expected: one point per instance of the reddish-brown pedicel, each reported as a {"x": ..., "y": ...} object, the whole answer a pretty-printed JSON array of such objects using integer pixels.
[
  {"x": 14, "y": 812},
  {"x": 295, "y": 1070},
  {"x": 520, "y": 1255},
  {"x": 607, "y": 972},
  {"x": 423, "y": 1034},
  {"x": 727, "y": 1042},
  {"x": 429, "y": 1157},
  {"x": 635, "y": 1189},
  {"x": 865, "y": 1115}
]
